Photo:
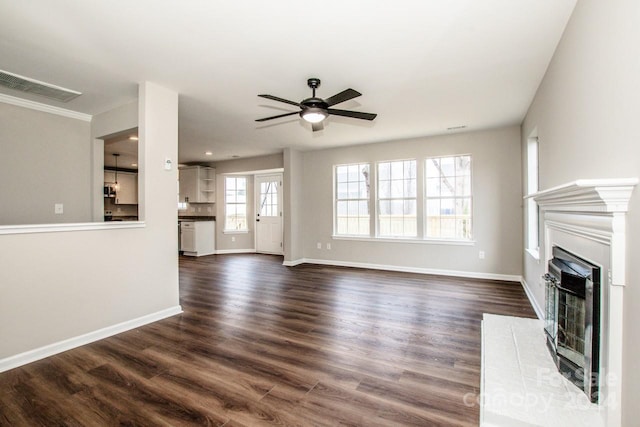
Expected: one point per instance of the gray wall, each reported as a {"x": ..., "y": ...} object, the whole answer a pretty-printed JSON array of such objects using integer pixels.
[
  {"x": 497, "y": 200},
  {"x": 243, "y": 241},
  {"x": 45, "y": 159},
  {"x": 56, "y": 286},
  {"x": 586, "y": 112},
  {"x": 293, "y": 202}
]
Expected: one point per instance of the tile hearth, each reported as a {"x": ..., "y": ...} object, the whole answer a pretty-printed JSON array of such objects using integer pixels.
[{"x": 520, "y": 384}]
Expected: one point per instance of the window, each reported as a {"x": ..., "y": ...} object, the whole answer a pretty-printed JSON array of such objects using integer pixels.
[
  {"x": 235, "y": 203},
  {"x": 448, "y": 198},
  {"x": 397, "y": 214},
  {"x": 352, "y": 200},
  {"x": 269, "y": 198},
  {"x": 533, "y": 213}
]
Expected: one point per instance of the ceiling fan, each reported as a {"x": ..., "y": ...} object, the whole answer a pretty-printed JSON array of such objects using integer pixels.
[{"x": 315, "y": 110}]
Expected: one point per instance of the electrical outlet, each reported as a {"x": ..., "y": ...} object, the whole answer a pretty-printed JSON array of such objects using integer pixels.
[
  {"x": 233, "y": 238},
  {"x": 209, "y": 209},
  {"x": 328, "y": 246},
  {"x": 481, "y": 254},
  {"x": 119, "y": 210},
  {"x": 58, "y": 208},
  {"x": 319, "y": 245}
]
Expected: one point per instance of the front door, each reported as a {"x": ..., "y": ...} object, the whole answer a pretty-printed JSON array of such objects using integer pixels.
[{"x": 269, "y": 214}]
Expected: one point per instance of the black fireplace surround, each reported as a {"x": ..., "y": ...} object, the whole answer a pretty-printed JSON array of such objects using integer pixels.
[{"x": 572, "y": 323}]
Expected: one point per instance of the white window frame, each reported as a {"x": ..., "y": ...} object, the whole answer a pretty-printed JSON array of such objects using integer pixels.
[
  {"x": 391, "y": 199},
  {"x": 455, "y": 197},
  {"x": 227, "y": 203},
  {"x": 533, "y": 210},
  {"x": 336, "y": 199}
]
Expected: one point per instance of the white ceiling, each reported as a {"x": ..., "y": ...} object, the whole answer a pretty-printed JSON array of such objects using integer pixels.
[{"x": 421, "y": 65}]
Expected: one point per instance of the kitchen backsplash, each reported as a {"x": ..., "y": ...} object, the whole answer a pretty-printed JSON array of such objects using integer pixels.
[
  {"x": 120, "y": 210},
  {"x": 198, "y": 209}
]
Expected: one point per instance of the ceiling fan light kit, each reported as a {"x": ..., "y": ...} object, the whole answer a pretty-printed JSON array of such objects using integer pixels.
[
  {"x": 313, "y": 114},
  {"x": 316, "y": 110}
]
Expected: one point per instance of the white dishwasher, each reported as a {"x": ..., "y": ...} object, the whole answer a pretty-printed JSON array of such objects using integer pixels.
[
  {"x": 187, "y": 236},
  {"x": 197, "y": 238}
]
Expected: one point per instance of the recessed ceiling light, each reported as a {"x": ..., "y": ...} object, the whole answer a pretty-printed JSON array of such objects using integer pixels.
[
  {"x": 208, "y": 153},
  {"x": 133, "y": 138},
  {"x": 457, "y": 127}
]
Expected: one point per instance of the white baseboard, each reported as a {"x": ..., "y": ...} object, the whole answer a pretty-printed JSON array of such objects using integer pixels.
[
  {"x": 235, "y": 251},
  {"x": 532, "y": 300},
  {"x": 60, "y": 346},
  {"x": 419, "y": 270},
  {"x": 198, "y": 254},
  {"x": 293, "y": 263}
]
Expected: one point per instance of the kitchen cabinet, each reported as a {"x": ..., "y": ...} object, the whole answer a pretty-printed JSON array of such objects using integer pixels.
[
  {"x": 197, "y": 184},
  {"x": 127, "y": 192},
  {"x": 197, "y": 238}
]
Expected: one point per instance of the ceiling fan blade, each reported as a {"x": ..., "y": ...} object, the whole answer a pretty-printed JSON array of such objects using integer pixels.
[
  {"x": 343, "y": 96},
  {"x": 317, "y": 126},
  {"x": 275, "y": 98},
  {"x": 353, "y": 114},
  {"x": 278, "y": 116}
]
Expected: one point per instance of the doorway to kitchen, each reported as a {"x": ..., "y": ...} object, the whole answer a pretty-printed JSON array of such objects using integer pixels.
[{"x": 269, "y": 227}]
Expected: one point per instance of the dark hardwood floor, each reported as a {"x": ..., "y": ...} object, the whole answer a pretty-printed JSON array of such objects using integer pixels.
[{"x": 263, "y": 344}]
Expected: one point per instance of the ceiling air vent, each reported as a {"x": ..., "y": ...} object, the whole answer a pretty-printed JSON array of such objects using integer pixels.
[{"x": 25, "y": 84}]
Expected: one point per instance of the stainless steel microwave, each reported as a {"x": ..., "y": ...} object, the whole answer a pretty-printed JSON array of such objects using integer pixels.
[{"x": 109, "y": 190}]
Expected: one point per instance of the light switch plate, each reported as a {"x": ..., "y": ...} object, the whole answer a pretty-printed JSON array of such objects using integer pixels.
[
  {"x": 168, "y": 164},
  {"x": 58, "y": 208}
]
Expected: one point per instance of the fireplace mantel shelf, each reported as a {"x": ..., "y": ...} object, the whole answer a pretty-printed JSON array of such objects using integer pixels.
[{"x": 588, "y": 195}]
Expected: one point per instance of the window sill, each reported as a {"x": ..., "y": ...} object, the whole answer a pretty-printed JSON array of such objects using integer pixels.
[
  {"x": 235, "y": 231},
  {"x": 409, "y": 240},
  {"x": 56, "y": 228},
  {"x": 535, "y": 253}
]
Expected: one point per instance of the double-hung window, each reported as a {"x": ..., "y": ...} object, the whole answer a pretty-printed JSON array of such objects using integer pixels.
[
  {"x": 235, "y": 203},
  {"x": 352, "y": 216},
  {"x": 397, "y": 204},
  {"x": 448, "y": 197}
]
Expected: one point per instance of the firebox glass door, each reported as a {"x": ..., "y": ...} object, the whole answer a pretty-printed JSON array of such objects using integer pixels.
[
  {"x": 551, "y": 302},
  {"x": 571, "y": 327}
]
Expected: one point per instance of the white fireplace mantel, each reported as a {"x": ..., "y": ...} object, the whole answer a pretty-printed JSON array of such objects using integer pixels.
[
  {"x": 588, "y": 195},
  {"x": 588, "y": 217}
]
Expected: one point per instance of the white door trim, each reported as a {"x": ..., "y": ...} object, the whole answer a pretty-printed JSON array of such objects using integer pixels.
[{"x": 276, "y": 177}]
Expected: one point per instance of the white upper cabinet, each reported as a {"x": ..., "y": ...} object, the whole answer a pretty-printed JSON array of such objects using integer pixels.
[{"x": 197, "y": 184}]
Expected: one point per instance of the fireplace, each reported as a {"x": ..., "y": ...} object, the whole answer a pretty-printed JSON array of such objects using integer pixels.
[
  {"x": 572, "y": 319},
  {"x": 582, "y": 221}
]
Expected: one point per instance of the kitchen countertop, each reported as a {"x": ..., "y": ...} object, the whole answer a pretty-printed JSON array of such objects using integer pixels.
[
  {"x": 196, "y": 218},
  {"x": 120, "y": 218}
]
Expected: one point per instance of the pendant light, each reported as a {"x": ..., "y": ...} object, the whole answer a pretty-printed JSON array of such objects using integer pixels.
[{"x": 117, "y": 187}]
